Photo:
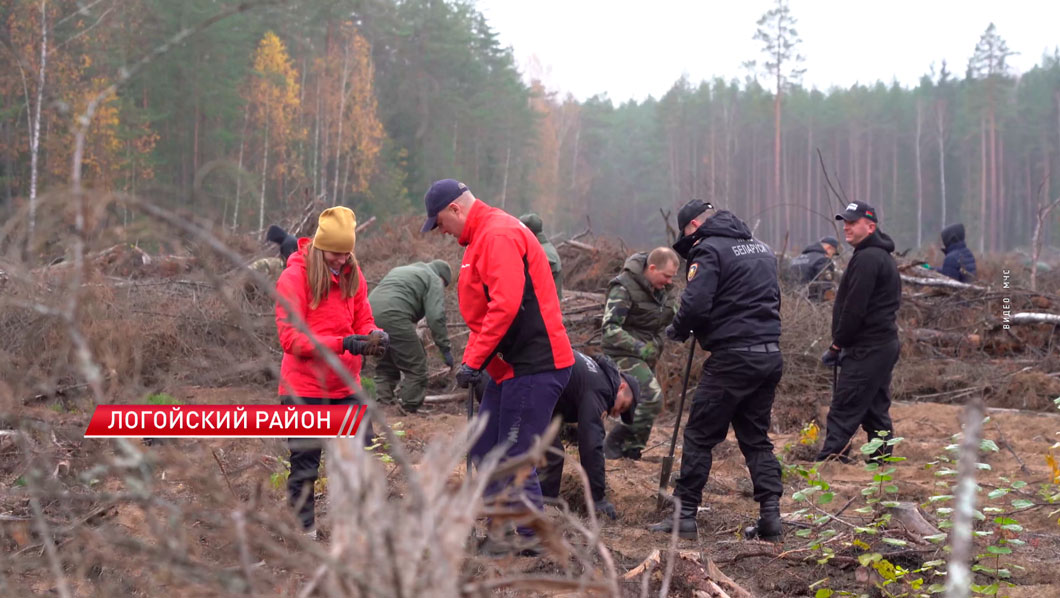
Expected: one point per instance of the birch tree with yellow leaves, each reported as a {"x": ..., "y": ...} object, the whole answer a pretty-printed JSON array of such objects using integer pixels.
[
  {"x": 273, "y": 99},
  {"x": 348, "y": 134}
]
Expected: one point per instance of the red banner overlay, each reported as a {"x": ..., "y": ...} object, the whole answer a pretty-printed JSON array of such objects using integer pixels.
[{"x": 225, "y": 421}]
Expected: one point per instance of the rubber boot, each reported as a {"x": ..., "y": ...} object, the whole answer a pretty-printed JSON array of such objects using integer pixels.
[
  {"x": 686, "y": 524},
  {"x": 615, "y": 441},
  {"x": 769, "y": 526}
]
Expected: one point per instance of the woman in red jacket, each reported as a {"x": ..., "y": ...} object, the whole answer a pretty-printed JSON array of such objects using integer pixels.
[{"x": 323, "y": 287}]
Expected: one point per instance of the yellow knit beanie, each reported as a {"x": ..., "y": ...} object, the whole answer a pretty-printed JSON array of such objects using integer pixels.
[{"x": 336, "y": 230}]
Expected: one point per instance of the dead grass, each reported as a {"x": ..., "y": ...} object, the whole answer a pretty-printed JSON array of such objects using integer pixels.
[{"x": 207, "y": 518}]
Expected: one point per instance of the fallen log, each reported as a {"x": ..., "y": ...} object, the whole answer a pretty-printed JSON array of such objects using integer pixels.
[
  {"x": 125, "y": 260},
  {"x": 946, "y": 339},
  {"x": 595, "y": 297},
  {"x": 446, "y": 398},
  {"x": 580, "y": 245},
  {"x": 1035, "y": 318},
  {"x": 940, "y": 282},
  {"x": 584, "y": 308}
]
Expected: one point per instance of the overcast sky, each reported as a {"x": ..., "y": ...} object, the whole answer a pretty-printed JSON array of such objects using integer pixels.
[{"x": 633, "y": 48}]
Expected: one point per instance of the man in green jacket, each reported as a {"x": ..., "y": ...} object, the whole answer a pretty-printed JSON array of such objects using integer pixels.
[
  {"x": 639, "y": 306},
  {"x": 533, "y": 222},
  {"x": 405, "y": 296}
]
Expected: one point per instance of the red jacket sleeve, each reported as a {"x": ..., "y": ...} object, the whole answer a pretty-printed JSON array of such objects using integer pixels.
[
  {"x": 363, "y": 322},
  {"x": 292, "y": 289},
  {"x": 501, "y": 269}
]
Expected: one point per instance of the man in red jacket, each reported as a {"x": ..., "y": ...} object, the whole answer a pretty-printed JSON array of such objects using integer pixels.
[{"x": 508, "y": 300}]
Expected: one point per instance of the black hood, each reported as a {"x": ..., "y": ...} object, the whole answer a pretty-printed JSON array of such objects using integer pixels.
[
  {"x": 877, "y": 239},
  {"x": 723, "y": 224},
  {"x": 288, "y": 243},
  {"x": 815, "y": 248},
  {"x": 953, "y": 234}
]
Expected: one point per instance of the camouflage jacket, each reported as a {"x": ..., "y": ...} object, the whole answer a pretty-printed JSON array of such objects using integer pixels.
[{"x": 635, "y": 314}]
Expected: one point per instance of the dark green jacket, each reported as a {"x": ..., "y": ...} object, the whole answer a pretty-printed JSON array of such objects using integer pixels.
[
  {"x": 533, "y": 222},
  {"x": 413, "y": 292},
  {"x": 635, "y": 314}
]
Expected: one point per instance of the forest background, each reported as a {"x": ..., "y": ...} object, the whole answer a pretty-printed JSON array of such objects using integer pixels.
[{"x": 365, "y": 102}]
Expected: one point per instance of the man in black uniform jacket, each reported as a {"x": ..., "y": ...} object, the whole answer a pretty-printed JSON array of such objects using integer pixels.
[
  {"x": 864, "y": 336},
  {"x": 732, "y": 306},
  {"x": 596, "y": 389},
  {"x": 814, "y": 268}
]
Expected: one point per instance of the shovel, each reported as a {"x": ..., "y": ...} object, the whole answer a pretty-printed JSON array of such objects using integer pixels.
[
  {"x": 668, "y": 461},
  {"x": 470, "y": 415}
]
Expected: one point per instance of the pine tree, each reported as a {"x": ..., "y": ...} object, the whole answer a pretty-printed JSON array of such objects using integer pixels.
[{"x": 780, "y": 42}]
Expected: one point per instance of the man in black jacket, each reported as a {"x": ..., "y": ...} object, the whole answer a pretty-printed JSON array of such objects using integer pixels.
[
  {"x": 732, "y": 306},
  {"x": 814, "y": 268},
  {"x": 864, "y": 336},
  {"x": 596, "y": 389},
  {"x": 960, "y": 262}
]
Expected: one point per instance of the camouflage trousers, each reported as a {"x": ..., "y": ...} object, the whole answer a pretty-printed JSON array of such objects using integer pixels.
[{"x": 650, "y": 403}]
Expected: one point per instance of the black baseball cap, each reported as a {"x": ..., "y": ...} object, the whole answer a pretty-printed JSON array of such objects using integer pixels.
[
  {"x": 691, "y": 210},
  {"x": 441, "y": 194},
  {"x": 856, "y": 210},
  {"x": 834, "y": 242}
]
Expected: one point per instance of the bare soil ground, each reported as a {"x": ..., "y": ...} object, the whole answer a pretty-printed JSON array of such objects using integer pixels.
[{"x": 207, "y": 479}]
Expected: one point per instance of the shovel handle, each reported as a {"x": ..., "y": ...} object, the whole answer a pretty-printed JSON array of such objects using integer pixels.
[
  {"x": 470, "y": 414},
  {"x": 668, "y": 461}
]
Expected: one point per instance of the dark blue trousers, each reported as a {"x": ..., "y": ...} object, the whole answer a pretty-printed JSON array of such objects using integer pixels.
[{"x": 518, "y": 411}]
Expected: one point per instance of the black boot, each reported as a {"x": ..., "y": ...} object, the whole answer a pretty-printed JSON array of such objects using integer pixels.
[
  {"x": 769, "y": 526},
  {"x": 686, "y": 524},
  {"x": 615, "y": 442}
]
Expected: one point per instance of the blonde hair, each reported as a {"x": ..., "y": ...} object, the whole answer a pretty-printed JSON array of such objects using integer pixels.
[{"x": 319, "y": 277}]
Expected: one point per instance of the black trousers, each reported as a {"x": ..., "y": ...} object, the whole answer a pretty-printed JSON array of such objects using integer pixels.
[
  {"x": 551, "y": 475},
  {"x": 735, "y": 388},
  {"x": 862, "y": 398},
  {"x": 305, "y": 460}
]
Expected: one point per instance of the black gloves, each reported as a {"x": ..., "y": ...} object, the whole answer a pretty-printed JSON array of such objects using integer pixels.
[
  {"x": 604, "y": 507},
  {"x": 830, "y": 357},
  {"x": 354, "y": 345},
  {"x": 375, "y": 343},
  {"x": 674, "y": 335},
  {"x": 447, "y": 355},
  {"x": 466, "y": 376}
]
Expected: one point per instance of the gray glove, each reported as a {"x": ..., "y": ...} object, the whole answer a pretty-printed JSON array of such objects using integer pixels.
[
  {"x": 466, "y": 376},
  {"x": 830, "y": 357}
]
